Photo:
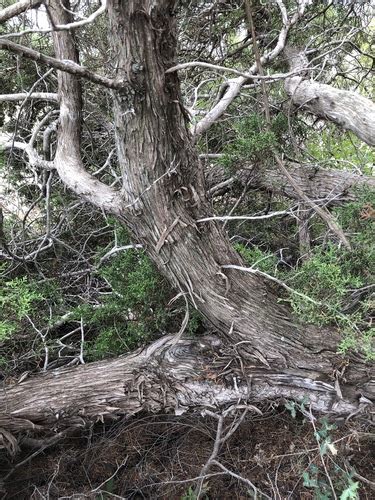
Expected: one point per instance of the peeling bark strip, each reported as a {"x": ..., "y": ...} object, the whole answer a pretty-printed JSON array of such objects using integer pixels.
[{"x": 348, "y": 109}]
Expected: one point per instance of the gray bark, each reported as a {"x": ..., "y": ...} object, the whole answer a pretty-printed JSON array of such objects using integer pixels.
[
  {"x": 349, "y": 110},
  {"x": 332, "y": 186},
  {"x": 17, "y": 8},
  {"x": 189, "y": 375}
]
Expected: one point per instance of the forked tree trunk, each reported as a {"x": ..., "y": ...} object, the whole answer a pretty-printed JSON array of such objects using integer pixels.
[{"x": 262, "y": 352}]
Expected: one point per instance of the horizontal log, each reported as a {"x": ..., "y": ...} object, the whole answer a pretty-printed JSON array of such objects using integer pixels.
[
  {"x": 332, "y": 186},
  {"x": 189, "y": 375}
]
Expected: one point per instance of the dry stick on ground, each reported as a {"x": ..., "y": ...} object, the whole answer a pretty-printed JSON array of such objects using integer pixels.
[
  {"x": 324, "y": 214},
  {"x": 219, "y": 441}
]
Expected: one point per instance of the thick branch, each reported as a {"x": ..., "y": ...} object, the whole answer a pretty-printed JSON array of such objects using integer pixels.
[
  {"x": 64, "y": 64},
  {"x": 17, "y": 8},
  {"x": 43, "y": 96},
  {"x": 34, "y": 158},
  {"x": 68, "y": 161},
  {"x": 332, "y": 186},
  {"x": 348, "y": 109}
]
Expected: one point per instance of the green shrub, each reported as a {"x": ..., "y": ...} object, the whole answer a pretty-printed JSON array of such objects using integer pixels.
[
  {"x": 326, "y": 279},
  {"x": 253, "y": 141},
  {"x": 254, "y": 256},
  {"x": 18, "y": 299},
  {"x": 135, "y": 310},
  {"x": 337, "y": 281}
]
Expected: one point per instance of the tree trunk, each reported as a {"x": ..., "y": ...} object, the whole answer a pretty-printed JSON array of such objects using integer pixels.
[{"x": 263, "y": 351}]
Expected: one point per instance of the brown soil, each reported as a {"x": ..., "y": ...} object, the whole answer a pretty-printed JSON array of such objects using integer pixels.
[{"x": 161, "y": 454}]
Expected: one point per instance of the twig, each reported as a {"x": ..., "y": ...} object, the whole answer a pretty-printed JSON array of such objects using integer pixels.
[{"x": 246, "y": 217}]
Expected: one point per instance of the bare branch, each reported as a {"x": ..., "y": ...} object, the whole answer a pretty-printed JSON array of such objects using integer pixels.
[
  {"x": 253, "y": 270},
  {"x": 246, "y": 217},
  {"x": 215, "y": 67},
  {"x": 68, "y": 26},
  {"x": 116, "y": 250},
  {"x": 66, "y": 65},
  {"x": 17, "y": 8},
  {"x": 43, "y": 96},
  {"x": 234, "y": 86},
  {"x": 34, "y": 159}
]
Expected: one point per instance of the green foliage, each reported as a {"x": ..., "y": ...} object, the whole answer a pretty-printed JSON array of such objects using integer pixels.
[
  {"x": 253, "y": 140},
  {"x": 360, "y": 228},
  {"x": 256, "y": 257},
  {"x": 351, "y": 492},
  {"x": 18, "y": 299},
  {"x": 334, "y": 148},
  {"x": 321, "y": 479},
  {"x": 325, "y": 279},
  {"x": 293, "y": 407},
  {"x": 334, "y": 285},
  {"x": 323, "y": 435},
  {"x": 189, "y": 495},
  {"x": 7, "y": 328},
  {"x": 333, "y": 274},
  {"x": 315, "y": 478},
  {"x": 134, "y": 311}
]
